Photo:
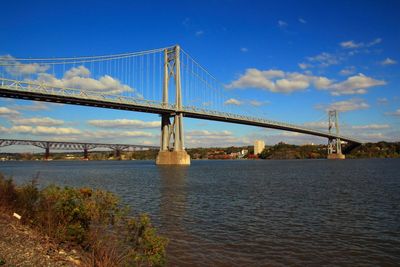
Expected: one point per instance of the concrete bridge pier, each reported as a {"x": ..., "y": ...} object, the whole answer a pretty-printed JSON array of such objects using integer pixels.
[
  {"x": 47, "y": 153},
  {"x": 175, "y": 155},
  {"x": 85, "y": 154},
  {"x": 117, "y": 154}
]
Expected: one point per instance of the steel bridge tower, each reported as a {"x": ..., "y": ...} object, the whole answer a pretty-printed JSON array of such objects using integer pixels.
[
  {"x": 174, "y": 154},
  {"x": 334, "y": 144}
]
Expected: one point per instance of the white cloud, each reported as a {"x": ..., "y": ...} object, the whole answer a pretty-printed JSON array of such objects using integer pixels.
[
  {"x": 135, "y": 134},
  {"x": 351, "y": 44},
  {"x": 325, "y": 59},
  {"x": 186, "y": 22},
  {"x": 17, "y": 68},
  {"x": 43, "y": 130},
  {"x": 345, "y": 105},
  {"x": 7, "y": 112},
  {"x": 107, "y": 136},
  {"x": 63, "y": 133},
  {"x": 232, "y": 101},
  {"x": 39, "y": 121},
  {"x": 3, "y": 129},
  {"x": 321, "y": 82},
  {"x": 35, "y": 106},
  {"x": 124, "y": 123},
  {"x": 374, "y": 42},
  {"x": 292, "y": 84},
  {"x": 371, "y": 127},
  {"x": 199, "y": 33},
  {"x": 388, "y": 61},
  {"x": 80, "y": 71},
  {"x": 244, "y": 49},
  {"x": 282, "y": 24},
  {"x": 394, "y": 113},
  {"x": 254, "y": 78},
  {"x": 197, "y": 133},
  {"x": 348, "y": 71},
  {"x": 79, "y": 78},
  {"x": 257, "y": 103},
  {"x": 317, "y": 125},
  {"x": 301, "y": 20},
  {"x": 374, "y": 136},
  {"x": 279, "y": 81},
  {"x": 304, "y": 66},
  {"x": 357, "y": 84},
  {"x": 325, "y": 124},
  {"x": 213, "y": 138},
  {"x": 382, "y": 100},
  {"x": 21, "y": 129}
]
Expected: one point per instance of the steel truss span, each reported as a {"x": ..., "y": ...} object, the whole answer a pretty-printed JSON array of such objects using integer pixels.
[{"x": 54, "y": 145}]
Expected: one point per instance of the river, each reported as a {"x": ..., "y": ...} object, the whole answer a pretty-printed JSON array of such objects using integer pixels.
[{"x": 252, "y": 213}]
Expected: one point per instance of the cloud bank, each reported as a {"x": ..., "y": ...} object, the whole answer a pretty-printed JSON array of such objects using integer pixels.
[{"x": 278, "y": 81}]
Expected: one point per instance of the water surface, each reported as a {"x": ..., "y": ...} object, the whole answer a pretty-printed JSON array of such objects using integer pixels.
[{"x": 253, "y": 213}]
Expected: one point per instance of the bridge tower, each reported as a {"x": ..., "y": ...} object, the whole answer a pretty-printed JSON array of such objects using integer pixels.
[
  {"x": 172, "y": 154},
  {"x": 334, "y": 144}
]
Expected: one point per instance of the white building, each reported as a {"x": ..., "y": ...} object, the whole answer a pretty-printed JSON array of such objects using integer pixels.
[{"x": 259, "y": 146}]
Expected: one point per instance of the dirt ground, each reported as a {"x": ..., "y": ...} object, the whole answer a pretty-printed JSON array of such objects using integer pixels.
[{"x": 23, "y": 246}]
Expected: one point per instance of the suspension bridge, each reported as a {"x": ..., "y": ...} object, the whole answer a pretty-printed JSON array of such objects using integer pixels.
[
  {"x": 165, "y": 81},
  {"x": 74, "y": 146}
]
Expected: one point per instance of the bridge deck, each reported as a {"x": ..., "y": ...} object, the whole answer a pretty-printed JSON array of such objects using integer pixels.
[{"x": 40, "y": 92}]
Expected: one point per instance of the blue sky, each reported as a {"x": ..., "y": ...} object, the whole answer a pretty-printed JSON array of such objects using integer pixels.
[{"x": 284, "y": 60}]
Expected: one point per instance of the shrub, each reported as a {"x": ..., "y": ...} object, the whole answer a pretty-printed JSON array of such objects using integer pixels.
[
  {"x": 27, "y": 197},
  {"x": 8, "y": 194},
  {"x": 146, "y": 247}
]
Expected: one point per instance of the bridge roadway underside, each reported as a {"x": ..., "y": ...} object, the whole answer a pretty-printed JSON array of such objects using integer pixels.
[{"x": 26, "y": 95}]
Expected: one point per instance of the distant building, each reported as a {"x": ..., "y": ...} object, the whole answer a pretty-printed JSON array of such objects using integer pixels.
[
  {"x": 308, "y": 144},
  {"x": 259, "y": 146}
]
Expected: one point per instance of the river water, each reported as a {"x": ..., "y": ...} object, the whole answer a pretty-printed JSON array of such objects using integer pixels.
[{"x": 253, "y": 213}]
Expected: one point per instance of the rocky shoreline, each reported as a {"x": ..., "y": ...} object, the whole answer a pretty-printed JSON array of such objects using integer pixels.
[{"x": 21, "y": 245}]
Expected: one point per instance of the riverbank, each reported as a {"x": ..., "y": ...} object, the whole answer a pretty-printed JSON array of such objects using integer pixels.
[{"x": 278, "y": 151}]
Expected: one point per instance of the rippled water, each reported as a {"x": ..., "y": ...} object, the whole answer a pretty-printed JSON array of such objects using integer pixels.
[{"x": 254, "y": 213}]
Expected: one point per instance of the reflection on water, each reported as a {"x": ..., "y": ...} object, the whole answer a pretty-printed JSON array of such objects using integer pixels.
[
  {"x": 253, "y": 213},
  {"x": 172, "y": 198},
  {"x": 173, "y": 204}
]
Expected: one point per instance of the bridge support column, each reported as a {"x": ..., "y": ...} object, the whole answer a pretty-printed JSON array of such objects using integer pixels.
[
  {"x": 334, "y": 144},
  {"x": 335, "y": 149},
  {"x": 85, "y": 154},
  {"x": 117, "y": 154},
  {"x": 175, "y": 155},
  {"x": 47, "y": 153}
]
